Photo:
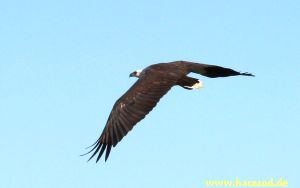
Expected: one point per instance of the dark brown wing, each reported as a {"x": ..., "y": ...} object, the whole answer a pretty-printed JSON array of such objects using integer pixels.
[
  {"x": 214, "y": 71},
  {"x": 132, "y": 107}
]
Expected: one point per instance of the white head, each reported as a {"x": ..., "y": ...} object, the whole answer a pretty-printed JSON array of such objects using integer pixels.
[{"x": 136, "y": 73}]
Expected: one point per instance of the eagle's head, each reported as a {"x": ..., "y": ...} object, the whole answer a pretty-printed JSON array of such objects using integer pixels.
[{"x": 136, "y": 73}]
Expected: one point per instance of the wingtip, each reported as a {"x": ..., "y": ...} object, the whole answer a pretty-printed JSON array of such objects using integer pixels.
[
  {"x": 247, "y": 74},
  {"x": 103, "y": 147}
]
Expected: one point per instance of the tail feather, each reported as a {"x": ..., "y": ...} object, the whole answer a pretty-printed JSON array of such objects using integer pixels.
[{"x": 190, "y": 83}]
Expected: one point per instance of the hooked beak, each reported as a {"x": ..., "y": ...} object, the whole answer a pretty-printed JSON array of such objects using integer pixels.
[{"x": 132, "y": 74}]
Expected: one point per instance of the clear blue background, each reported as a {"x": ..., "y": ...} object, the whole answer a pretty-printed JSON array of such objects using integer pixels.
[{"x": 63, "y": 64}]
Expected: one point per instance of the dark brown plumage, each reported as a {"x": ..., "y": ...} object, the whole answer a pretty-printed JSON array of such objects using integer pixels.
[{"x": 153, "y": 83}]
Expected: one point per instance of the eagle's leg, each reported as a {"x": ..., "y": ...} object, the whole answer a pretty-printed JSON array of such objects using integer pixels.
[{"x": 190, "y": 83}]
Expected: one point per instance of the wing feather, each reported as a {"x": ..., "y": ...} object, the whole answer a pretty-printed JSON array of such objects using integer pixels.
[
  {"x": 131, "y": 108},
  {"x": 214, "y": 71},
  {"x": 118, "y": 136}
]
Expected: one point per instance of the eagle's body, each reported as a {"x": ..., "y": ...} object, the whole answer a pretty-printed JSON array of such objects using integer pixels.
[{"x": 154, "y": 82}]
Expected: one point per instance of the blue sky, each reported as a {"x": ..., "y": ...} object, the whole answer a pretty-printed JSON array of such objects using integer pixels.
[{"x": 63, "y": 64}]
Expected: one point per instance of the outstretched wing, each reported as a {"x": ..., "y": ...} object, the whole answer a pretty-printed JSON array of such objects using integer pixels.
[
  {"x": 214, "y": 71},
  {"x": 132, "y": 107}
]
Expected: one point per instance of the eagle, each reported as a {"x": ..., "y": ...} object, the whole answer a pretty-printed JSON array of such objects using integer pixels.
[{"x": 153, "y": 83}]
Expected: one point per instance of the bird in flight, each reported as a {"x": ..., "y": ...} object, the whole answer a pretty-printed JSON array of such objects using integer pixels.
[{"x": 152, "y": 84}]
